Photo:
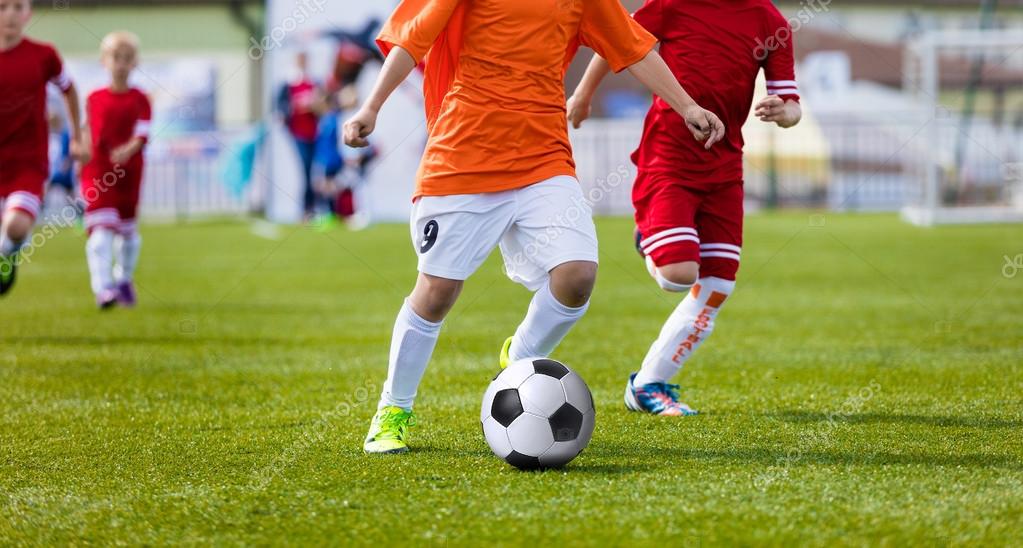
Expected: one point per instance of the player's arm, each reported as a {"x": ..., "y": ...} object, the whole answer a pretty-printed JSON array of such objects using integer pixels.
[
  {"x": 140, "y": 135},
  {"x": 406, "y": 38},
  {"x": 398, "y": 65},
  {"x": 79, "y": 148},
  {"x": 121, "y": 154},
  {"x": 781, "y": 106},
  {"x": 580, "y": 103},
  {"x": 654, "y": 73},
  {"x": 784, "y": 112}
]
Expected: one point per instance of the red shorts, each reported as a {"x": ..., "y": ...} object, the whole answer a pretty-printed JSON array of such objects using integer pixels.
[
  {"x": 21, "y": 188},
  {"x": 112, "y": 200},
  {"x": 702, "y": 224}
]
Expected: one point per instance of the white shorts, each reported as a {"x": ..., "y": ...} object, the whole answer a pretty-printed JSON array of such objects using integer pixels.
[{"x": 538, "y": 227}]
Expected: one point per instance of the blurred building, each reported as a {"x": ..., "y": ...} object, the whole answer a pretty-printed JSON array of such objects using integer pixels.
[
  {"x": 214, "y": 33},
  {"x": 864, "y": 141}
]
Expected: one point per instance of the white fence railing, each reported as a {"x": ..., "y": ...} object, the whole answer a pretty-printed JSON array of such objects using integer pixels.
[
  {"x": 841, "y": 164},
  {"x": 184, "y": 178}
]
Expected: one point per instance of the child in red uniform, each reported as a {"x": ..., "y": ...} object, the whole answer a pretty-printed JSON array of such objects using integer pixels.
[
  {"x": 688, "y": 198},
  {"x": 26, "y": 66},
  {"x": 118, "y": 117}
]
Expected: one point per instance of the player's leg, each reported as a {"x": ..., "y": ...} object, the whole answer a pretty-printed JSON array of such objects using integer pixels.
[
  {"x": 551, "y": 249},
  {"x": 452, "y": 235},
  {"x": 667, "y": 238},
  {"x": 22, "y": 191},
  {"x": 101, "y": 223},
  {"x": 127, "y": 245},
  {"x": 306, "y": 152},
  {"x": 719, "y": 220}
]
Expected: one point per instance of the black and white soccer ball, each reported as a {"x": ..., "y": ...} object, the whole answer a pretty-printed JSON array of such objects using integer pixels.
[{"x": 537, "y": 413}]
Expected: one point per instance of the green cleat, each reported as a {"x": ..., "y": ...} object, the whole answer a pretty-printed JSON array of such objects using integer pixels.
[
  {"x": 388, "y": 433},
  {"x": 8, "y": 272},
  {"x": 505, "y": 358}
]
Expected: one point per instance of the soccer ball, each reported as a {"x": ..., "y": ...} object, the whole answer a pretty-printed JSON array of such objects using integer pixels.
[{"x": 537, "y": 413}]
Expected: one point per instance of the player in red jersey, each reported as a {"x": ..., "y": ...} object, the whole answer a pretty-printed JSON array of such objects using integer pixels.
[
  {"x": 26, "y": 67},
  {"x": 118, "y": 117},
  {"x": 688, "y": 198}
]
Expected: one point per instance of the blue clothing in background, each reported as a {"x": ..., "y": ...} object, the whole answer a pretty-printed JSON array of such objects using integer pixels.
[{"x": 327, "y": 156}]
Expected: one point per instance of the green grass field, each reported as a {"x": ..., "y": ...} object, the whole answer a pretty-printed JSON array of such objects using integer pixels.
[{"x": 864, "y": 387}]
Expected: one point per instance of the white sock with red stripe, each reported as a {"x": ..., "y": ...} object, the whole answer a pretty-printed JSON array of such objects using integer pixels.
[
  {"x": 412, "y": 344},
  {"x": 99, "y": 250},
  {"x": 546, "y": 323},
  {"x": 687, "y": 327},
  {"x": 127, "y": 248}
]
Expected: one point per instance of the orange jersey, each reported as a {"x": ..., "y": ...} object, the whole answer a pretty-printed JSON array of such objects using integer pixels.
[{"x": 495, "y": 95}]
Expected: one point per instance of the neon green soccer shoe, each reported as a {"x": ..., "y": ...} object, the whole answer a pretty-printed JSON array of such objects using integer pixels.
[
  {"x": 8, "y": 273},
  {"x": 388, "y": 433},
  {"x": 505, "y": 358}
]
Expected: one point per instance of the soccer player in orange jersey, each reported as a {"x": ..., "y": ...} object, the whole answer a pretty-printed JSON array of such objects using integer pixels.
[{"x": 498, "y": 168}]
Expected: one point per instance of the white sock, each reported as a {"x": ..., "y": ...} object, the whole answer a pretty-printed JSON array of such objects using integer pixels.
[
  {"x": 412, "y": 344},
  {"x": 126, "y": 251},
  {"x": 687, "y": 327},
  {"x": 9, "y": 247},
  {"x": 546, "y": 323},
  {"x": 99, "y": 250}
]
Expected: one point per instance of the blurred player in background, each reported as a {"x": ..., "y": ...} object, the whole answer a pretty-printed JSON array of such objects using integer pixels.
[
  {"x": 689, "y": 199},
  {"x": 26, "y": 67},
  {"x": 299, "y": 103},
  {"x": 118, "y": 118},
  {"x": 354, "y": 181},
  {"x": 327, "y": 161},
  {"x": 60, "y": 203},
  {"x": 498, "y": 167}
]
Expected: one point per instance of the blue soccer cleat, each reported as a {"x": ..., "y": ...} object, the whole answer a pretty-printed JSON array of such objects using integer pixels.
[{"x": 656, "y": 398}]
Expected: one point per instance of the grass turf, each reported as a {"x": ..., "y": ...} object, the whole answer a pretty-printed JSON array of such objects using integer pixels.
[{"x": 864, "y": 386}]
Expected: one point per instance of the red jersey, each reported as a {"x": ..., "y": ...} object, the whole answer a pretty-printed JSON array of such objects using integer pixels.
[
  {"x": 716, "y": 49},
  {"x": 114, "y": 118},
  {"x": 25, "y": 70},
  {"x": 302, "y": 120}
]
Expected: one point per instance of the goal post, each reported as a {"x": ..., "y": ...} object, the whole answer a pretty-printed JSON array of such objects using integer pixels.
[{"x": 965, "y": 164}]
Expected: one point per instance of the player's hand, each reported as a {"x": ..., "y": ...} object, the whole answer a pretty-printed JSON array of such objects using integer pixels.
[
  {"x": 774, "y": 109},
  {"x": 579, "y": 111},
  {"x": 80, "y": 152},
  {"x": 123, "y": 153},
  {"x": 705, "y": 126},
  {"x": 360, "y": 126}
]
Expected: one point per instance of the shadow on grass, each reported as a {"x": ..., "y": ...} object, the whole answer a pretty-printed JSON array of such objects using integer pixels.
[
  {"x": 603, "y": 469},
  {"x": 581, "y": 465},
  {"x": 894, "y": 418},
  {"x": 795, "y": 456}
]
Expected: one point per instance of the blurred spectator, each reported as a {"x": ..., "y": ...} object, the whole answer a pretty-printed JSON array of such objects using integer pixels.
[
  {"x": 327, "y": 160},
  {"x": 299, "y": 103}
]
